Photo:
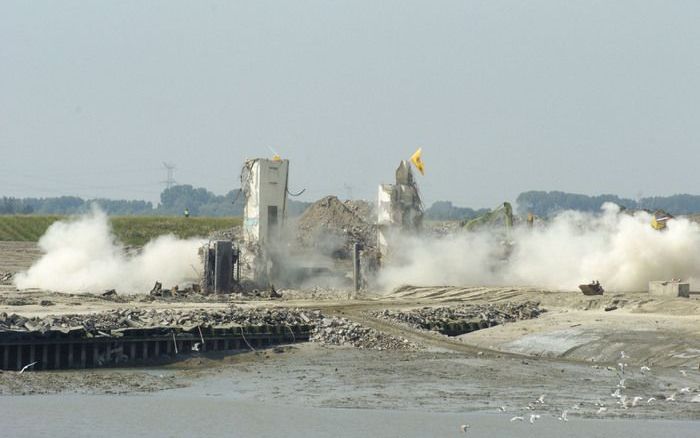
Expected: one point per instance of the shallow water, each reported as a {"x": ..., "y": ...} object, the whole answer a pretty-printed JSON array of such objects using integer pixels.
[
  {"x": 310, "y": 392},
  {"x": 176, "y": 414}
]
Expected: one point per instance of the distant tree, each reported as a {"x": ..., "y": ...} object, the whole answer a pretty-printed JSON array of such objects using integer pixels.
[
  {"x": 296, "y": 208},
  {"x": 175, "y": 199},
  {"x": 675, "y": 204},
  {"x": 445, "y": 210},
  {"x": 545, "y": 204},
  {"x": 121, "y": 207}
]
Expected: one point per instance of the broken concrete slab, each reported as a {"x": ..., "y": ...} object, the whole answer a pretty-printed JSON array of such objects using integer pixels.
[{"x": 671, "y": 288}]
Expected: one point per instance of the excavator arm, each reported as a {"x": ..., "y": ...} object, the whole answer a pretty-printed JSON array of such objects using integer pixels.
[{"x": 491, "y": 218}]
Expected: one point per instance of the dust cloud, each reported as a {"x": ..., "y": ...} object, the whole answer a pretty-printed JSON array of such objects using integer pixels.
[
  {"x": 620, "y": 250},
  {"x": 83, "y": 255}
]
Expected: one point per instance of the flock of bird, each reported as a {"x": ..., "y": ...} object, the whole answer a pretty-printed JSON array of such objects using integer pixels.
[{"x": 621, "y": 400}]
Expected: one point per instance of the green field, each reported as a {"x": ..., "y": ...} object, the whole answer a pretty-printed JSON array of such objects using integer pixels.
[{"x": 131, "y": 230}]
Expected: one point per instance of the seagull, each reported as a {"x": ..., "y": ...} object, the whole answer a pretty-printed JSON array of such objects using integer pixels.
[
  {"x": 622, "y": 366},
  {"x": 684, "y": 372},
  {"x": 464, "y": 428},
  {"x": 686, "y": 389},
  {"x": 563, "y": 416},
  {"x": 502, "y": 409},
  {"x": 671, "y": 397},
  {"x": 533, "y": 417},
  {"x": 651, "y": 399},
  {"x": 621, "y": 384},
  {"x": 616, "y": 394},
  {"x": 517, "y": 419},
  {"x": 644, "y": 369},
  {"x": 601, "y": 410},
  {"x": 27, "y": 366},
  {"x": 623, "y": 355},
  {"x": 623, "y": 402},
  {"x": 196, "y": 346},
  {"x": 635, "y": 400},
  {"x": 541, "y": 399}
]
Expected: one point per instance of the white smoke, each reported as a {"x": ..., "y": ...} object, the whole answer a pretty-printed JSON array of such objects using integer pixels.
[
  {"x": 82, "y": 255},
  {"x": 620, "y": 250}
]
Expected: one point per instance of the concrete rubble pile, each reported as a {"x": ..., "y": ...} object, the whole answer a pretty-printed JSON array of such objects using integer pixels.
[
  {"x": 234, "y": 234},
  {"x": 343, "y": 332},
  {"x": 441, "y": 228},
  {"x": 442, "y": 319},
  {"x": 102, "y": 323},
  {"x": 342, "y": 223},
  {"x": 6, "y": 277}
]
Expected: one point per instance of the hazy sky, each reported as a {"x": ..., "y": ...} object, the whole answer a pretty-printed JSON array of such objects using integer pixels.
[{"x": 583, "y": 96}]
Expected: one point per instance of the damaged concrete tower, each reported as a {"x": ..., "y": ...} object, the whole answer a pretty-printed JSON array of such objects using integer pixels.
[
  {"x": 264, "y": 185},
  {"x": 399, "y": 208}
]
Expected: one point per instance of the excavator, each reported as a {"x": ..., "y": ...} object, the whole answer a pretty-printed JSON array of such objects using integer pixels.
[
  {"x": 659, "y": 219},
  {"x": 501, "y": 216},
  {"x": 503, "y": 213}
]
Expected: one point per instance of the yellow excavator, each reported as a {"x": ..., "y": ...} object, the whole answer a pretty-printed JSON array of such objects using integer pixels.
[{"x": 659, "y": 219}]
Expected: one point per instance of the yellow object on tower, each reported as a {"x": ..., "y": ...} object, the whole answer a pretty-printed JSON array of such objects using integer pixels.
[{"x": 417, "y": 161}]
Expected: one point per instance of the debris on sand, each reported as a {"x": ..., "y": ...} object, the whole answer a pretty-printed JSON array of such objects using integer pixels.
[
  {"x": 157, "y": 290},
  {"x": 234, "y": 234},
  {"x": 592, "y": 288},
  {"x": 343, "y": 332},
  {"x": 6, "y": 277},
  {"x": 102, "y": 323},
  {"x": 463, "y": 318}
]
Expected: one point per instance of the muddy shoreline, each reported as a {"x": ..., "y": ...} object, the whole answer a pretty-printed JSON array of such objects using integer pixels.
[{"x": 569, "y": 353}]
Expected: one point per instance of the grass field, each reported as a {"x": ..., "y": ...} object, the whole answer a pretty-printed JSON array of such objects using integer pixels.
[{"x": 132, "y": 230}]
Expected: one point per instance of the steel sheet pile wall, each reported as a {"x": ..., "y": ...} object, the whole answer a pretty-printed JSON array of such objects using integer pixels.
[{"x": 134, "y": 346}]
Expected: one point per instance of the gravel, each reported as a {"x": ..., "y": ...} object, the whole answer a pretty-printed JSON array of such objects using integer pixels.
[
  {"x": 6, "y": 277},
  {"x": 343, "y": 332},
  {"x": 443, "y": 319},
  {"x": 101, "y": 323},
  {"x": 332, "y": 227}
]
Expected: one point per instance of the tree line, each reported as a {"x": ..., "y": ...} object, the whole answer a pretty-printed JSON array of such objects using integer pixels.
[
  {"x": 545, "y": 204},
  {"x": 201, "y": 202},
  {"x": 173, "y": 202}
]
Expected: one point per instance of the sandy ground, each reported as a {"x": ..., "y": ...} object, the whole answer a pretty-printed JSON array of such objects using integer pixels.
[
  {"x": 17, "y": 256},
  {"x": 570, "y": 355}
]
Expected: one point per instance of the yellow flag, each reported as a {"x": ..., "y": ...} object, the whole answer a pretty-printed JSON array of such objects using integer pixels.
[{"x": 416, "y": 160}]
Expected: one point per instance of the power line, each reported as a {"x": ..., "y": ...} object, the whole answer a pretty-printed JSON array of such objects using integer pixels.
[{"x": 169, "y": 179}]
